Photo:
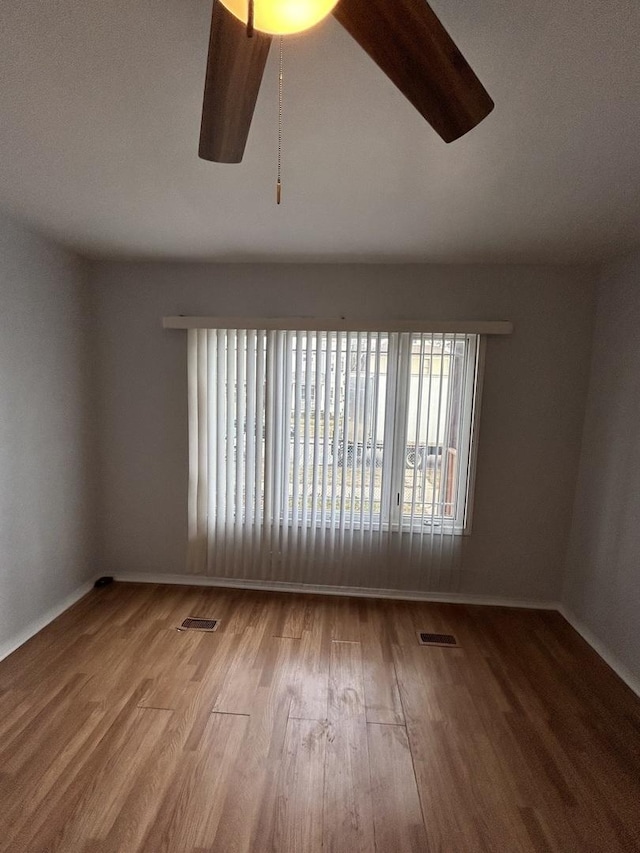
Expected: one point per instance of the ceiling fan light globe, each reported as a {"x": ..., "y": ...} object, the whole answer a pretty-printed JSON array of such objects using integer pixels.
[{"x": 282, "y": 17}]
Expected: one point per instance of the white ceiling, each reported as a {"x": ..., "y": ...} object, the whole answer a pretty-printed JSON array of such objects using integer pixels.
[{"x": 99, "y": 119}]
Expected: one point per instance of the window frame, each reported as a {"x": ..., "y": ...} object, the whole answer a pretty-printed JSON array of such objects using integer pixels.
[{"x": 474, "y": 357}]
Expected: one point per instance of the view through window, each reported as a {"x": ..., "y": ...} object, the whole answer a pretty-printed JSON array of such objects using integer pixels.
[{"x": 360, "y": 428}]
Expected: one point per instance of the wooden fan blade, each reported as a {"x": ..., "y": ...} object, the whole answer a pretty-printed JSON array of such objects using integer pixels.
[
  {"x": 408, "y": 42},
  {"x": 234, "y": 72}
]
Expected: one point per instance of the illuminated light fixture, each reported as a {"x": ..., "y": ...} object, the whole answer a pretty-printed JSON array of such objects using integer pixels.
[{"x": 282, "y": 17}]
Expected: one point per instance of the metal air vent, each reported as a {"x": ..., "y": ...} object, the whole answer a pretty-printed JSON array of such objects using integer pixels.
[
  {"x": 195, "y": 623},
  {"x": 427, "y": 639}
]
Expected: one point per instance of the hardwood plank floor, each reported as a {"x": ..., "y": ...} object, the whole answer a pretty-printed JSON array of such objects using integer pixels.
[
  {"x": 348, "y": 811},
  {"x": 309, "y": 723},
  {"x": 397, "y": 815}
]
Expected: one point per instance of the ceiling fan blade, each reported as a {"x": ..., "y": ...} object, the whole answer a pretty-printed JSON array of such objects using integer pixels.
[
  {"x": 234, "y": 72},
  {"x": 408, "y": 42}
]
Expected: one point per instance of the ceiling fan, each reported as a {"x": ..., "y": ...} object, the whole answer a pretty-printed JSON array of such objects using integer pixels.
[{"x": 403, "y": 37}]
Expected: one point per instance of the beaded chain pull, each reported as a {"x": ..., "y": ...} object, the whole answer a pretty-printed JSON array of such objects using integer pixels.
[{"x": 279, "y": 181}]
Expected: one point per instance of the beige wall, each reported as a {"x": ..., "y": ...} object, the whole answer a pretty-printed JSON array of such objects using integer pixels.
[
  {"x": 46, "y": 508},
  {"x": 535, "y": 387},
  {"x": 602, "y": 587}
]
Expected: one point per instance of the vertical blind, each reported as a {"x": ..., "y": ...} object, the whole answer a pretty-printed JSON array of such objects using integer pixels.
[{"x": 329, "y": 457}]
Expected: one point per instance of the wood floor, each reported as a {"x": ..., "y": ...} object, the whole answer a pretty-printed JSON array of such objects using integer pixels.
[{"x": 307, "y": 723}]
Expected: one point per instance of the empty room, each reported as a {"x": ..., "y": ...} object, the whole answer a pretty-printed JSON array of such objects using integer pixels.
[{"x": 320, "y": 426}]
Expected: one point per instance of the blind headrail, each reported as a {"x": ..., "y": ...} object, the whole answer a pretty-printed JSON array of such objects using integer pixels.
[{"x": 341, "y": 324}]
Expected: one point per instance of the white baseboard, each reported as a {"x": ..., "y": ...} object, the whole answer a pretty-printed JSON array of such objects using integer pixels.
[
  {"x": 630, "y": 679},
  {"x": 320, "y": 589},
  {"x": 38, "y": 624}
]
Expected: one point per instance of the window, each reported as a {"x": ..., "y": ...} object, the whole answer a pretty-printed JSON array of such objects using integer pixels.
[
  {"x": 379, "y": 428},
  {"x": 348, "y": 430},
  {"x": 327, "y": 456}
]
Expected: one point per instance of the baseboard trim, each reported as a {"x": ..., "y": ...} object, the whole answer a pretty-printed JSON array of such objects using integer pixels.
[
  {"x": 630, "y": 679},
  {"x": 41, "y": 622},
  {"x": 321, "y": 589}
]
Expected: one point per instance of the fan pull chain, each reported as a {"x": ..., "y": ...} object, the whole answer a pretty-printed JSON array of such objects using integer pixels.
[{"x": 279, "y": 181}]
